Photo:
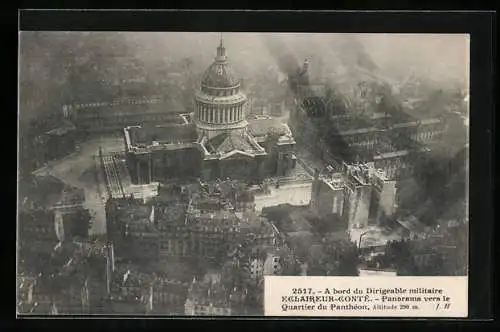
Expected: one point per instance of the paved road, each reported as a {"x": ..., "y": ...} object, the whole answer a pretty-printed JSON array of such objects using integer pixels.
[{"x": 78, "y": 170}]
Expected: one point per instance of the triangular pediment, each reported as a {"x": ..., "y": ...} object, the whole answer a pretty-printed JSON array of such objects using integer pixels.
[{"x": 237, "y": 154}]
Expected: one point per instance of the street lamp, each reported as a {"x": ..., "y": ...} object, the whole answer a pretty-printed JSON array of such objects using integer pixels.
[{"x": 360, "y": 237}]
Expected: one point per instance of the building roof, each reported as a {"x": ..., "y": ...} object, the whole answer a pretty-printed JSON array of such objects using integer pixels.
[
  {"x": 263, "y": 127},
  {"x": 219, "y": 74},
  {"x": 64, "y": 128},
  {"x": 132, "y": 211},
  {"x": 174, "y": 212},
  {"x": 405, "y": 124},
  {"x": 132, "y": 279},
  {"x": 71, "y": 195},
  {"x": 252, "y": 223},
  {"x": 209, "y": 203},
  {"x": 392, "y": 154},
  {"x": 166, "y": 134},
  {"x": 217, "y": 219},
  {"x": 211, "y": 292},
  {"x": 41, "y": 190},
  {"x": 227, "y": 142},
  {"x": 412, "y": 224},
  {"x": 139, "y": 105},
  {"x": 430, "y": 121},
  {"x": 358, "y": 131}
]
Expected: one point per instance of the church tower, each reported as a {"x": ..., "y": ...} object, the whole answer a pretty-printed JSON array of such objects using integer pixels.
[{"x": 219, "y": 104}]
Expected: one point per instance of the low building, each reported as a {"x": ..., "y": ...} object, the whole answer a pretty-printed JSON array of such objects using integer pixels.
[
  {"x": 168, "y": 295},
  {"x": 357, "y": 128},
  {"x": 412, "y": 229},
  {"x": 258, "y": 230},
  {"x": 38, "y": 231},
  {"x": 155, "y": 230},
  {"x": 209, "y": 297},
  {"x": 211, "y": 233},
  {"x": 328, "y": 196},
  {"x": 61, "y": 141},
  {"x": 129, "y": 291},
  {"x": 265, "y": 262},
  {"x": 113, "y": 116}
]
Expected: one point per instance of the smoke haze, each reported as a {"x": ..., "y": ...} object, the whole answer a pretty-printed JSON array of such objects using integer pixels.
[{"x": 48, "y": 59}]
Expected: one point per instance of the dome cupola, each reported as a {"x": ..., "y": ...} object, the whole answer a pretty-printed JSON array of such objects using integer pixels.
[
  {"x": 219, "y": 75},
  {"x": 219, "y": 103}
]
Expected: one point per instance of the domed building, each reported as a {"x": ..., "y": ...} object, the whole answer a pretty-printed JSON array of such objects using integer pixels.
[
  {"x": 220, "y": 103},
  {"x": 216, "y": 141}
]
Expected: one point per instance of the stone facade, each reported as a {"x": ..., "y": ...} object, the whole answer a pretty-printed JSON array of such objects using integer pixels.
[{"x": 360, "y": 195}]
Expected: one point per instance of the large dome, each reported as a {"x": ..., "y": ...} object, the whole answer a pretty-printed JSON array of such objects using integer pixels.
[
  {"x": 219, "y": 104},
  {"x": 219, "y": 75}
]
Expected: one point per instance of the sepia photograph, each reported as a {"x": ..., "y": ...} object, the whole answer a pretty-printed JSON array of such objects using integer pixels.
[{"x": 171, "y": 173}]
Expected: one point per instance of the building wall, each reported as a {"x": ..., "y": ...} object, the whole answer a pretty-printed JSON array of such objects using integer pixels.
[
  {"x": 256, "y": 268},
  {"x": 358, "y": 201},
  {"x": 383, "y": 202},
  {"x": 142, "y": 246},
  {"x": 175, "y": 163},
  {"x": 109, "y": 119},
  {"x": 163, "y": 296},
  {"x": 271, "y": 265},
  {"x": 194, "y": 309},
  {"x": 37, "y": 230},
  {"x": 163, "y": 165},
  {"x": 388, "y": 199},
  {"x": 237, "y": 167},
  {"x": 327, "y": 200},
  {"x": 397, "y": 167}
]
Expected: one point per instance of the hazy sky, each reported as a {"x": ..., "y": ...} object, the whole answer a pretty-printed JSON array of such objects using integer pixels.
[
  {"x": 442, "y": 58},
  {"x": 439, "y": 56}
]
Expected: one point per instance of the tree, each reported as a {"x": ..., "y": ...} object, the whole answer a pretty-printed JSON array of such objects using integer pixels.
[
  {"x": 399, "y": 254},
  {"x": 80, "y": 223},
  {"x": 348, "y": 262}
]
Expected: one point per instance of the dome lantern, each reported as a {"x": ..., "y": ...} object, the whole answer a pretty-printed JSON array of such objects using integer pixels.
[{"x": 221, "y": 52}]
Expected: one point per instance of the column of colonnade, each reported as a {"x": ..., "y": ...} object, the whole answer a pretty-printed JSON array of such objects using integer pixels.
[{"x": 220, "y": 114}]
